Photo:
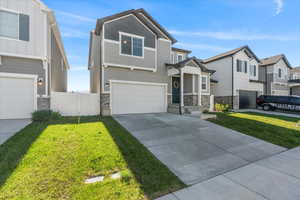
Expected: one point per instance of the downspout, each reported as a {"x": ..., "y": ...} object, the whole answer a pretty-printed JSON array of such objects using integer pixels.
[{"x": 232, "y": 81}]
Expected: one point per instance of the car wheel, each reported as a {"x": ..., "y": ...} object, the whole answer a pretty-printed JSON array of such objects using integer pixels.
[{"x": 266, "y": 107}]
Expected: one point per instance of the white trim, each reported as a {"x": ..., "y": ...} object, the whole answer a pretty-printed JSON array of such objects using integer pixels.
[
  {"x": 25, "y": 76},
  {"x": 190, "y": 93},
  {"x": 45, "y": 66},
  {"x": 149, "y": 48},
  {"x": 112, "y": 41},
  {"x": 165, "y": 85},
  {"x": 129, "y": 67},
  {"x": 131, "y": 36},
  {"x": 181, "y": 88},
  {"x": 22, "y": 56},
  {"x": 102, "y": 89},
  {"x": 0, "y": 60},
  {"x": 165, "y": 40},
  {"x": 199, "y": 90},
  {"x": 193, "y": 84}
]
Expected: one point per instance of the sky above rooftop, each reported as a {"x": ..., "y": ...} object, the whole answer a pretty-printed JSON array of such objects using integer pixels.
[{"x": 207, "y": 27}]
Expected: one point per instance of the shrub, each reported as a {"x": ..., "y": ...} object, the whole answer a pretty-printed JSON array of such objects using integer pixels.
[
  {"x": 45, "y": 115},
  {"x": 205, "y": 111},
  {"x": 222, "y": 107}
]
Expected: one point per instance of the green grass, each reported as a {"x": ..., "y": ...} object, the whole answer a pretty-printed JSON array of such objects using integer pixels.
[
  {"x": 52, "y": 160},
  {"x": 280, "y": 130}
]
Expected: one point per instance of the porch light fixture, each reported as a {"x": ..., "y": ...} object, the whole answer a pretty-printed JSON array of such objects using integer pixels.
[{"x": 40, "y": 82}]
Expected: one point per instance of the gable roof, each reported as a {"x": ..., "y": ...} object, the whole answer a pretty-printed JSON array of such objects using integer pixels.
[
  {"x": 197, "y": 61},
  {"x": 230, "y": 53},
  {"x": 144, "y": 17},
  {"x": 295, "y": 69},
  {"x": 275, "y": 59},
  {"x": 181, "y": 50}
]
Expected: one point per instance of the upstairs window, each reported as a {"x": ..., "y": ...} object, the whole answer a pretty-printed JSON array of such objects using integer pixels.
[
  {"x": 242, "y": 66},
  {"x": 253, "y": 70},
  {"x": 179, "y": 58},
  {"x": 132, "y": 45},
  {"x": 280, "y": 73},
  {"x": 14, "y": 25},
  {"x": 204, "y": 83}
]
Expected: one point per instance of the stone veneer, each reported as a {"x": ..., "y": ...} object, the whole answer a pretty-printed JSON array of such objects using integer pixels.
[
  {"x": 105, "y": 104},
  {"x": 43, "y": 103},
  {"x": 190, "y": 100},
  {"x": 205, "y": 102}
]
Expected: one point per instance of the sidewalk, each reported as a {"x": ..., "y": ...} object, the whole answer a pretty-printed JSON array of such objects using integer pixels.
[
  {"x": 273, "y": 178},
  {"x": 269, "y": 112}
]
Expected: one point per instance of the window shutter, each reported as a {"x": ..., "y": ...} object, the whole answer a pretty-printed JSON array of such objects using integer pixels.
[
  {"x": 24, "y": 29},
  {"x": 246, "y": 66},
  {"x": 254, "y": 70},
  {"x": 238, "y": 65}
]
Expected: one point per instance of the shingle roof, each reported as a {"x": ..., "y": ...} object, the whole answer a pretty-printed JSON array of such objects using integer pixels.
[
  {"x": 274, "y": 59},
  {"x": 295, "y": 69},
  {"x": 181, "y": 50},
  {"x": 139, "y": 13},
  {"x": 199, "y": 62},
  {"x": 230, "y": 53}
]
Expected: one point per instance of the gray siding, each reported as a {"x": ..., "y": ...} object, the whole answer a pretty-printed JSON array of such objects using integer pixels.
[
  {"x": 112, "y": 55},
  {"x": 95, "y": 80},
  {"x": 24, "y": 66},
  {"x": 295, "y": 90},
  {"x": 160, "y": 76},
  {"x": 261, "y": 73},
  {"x": 129, "y": 25},
  {"x": 188, "y": 83},
  {"x": 58, "y": 68}
]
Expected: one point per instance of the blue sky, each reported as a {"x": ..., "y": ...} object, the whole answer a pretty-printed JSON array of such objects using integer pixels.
[{"x": 207, "y": 27}]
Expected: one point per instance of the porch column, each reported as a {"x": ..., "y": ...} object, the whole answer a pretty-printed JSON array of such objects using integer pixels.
[
  {"x": 181, "y": 88},
  {"x": 199, "y": 90}
]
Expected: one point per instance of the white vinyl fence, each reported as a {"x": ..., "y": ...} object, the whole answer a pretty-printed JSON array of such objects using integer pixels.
[{"x": 75, "y": 104}]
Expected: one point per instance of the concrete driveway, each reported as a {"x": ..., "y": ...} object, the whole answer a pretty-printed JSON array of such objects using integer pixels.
[
  {"x": 193, "y": 149},
  {"x": 10, "y": 127}
]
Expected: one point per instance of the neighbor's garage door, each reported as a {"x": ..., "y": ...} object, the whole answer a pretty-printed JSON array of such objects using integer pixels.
[
  {"x": 247, "y": 99},
  {"x": 128, "y": 97},
  {"x": 16, "y": 97}
]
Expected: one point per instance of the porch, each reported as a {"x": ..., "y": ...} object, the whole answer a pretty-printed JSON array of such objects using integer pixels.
[{"x": 189, "y": 82}]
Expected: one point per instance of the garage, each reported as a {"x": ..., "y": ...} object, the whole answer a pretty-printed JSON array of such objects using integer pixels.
[
  {"x": 247, "y": 99},
  {"x": 18, "y": 96},
  {"x": 138, "y": 97}
]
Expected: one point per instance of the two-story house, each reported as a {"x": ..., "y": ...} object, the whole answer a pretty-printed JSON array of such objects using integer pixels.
[
  {"x": 134, "y": 68},
  {"x": 276, "y": 74},
  {"x": 32, "y": 58},
  {"x": 237, "y": 73}
]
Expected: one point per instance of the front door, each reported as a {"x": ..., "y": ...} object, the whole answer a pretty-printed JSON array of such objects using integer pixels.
[{"x": 175, "y": 90}]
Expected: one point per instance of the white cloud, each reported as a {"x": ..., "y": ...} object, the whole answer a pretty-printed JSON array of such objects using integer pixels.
[
  {"x": 74, "y": 33},
  {"x": 279, "y": 6},
  {"x": 75, "y": 16},
  {"x": 201, "y": 47},
  {"x": 244, "y": 36}
]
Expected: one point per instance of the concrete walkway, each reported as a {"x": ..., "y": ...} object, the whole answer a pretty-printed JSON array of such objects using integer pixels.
[
  {"x": 273, "y": 178},
  {"x": 193, "y": 149},
  {"x": 9, "y": 128},
  {"x": 269, "y": 112}
]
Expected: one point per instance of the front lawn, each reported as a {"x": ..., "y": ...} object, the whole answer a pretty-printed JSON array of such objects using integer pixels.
[
  {"x": 280, "y": 130},
  {"x": 52, "y": 161}
]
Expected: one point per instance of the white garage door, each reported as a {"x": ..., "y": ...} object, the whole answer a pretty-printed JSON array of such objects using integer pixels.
[
  {"x": 135, "y": 97},
  {"x": 17, "y": 97}
]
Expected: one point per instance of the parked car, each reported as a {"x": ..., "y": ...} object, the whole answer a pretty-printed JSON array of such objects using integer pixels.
[{"x": 279, "y": 102}]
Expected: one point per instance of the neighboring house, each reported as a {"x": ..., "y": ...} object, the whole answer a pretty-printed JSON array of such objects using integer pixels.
[
  {"x": 294, "y": 82},
  {"x": 237, "y": 76},
  {"x": 33, "y": 62},
  {"x": 134, "y": 68},
  {"x": 277, "y": 75}
]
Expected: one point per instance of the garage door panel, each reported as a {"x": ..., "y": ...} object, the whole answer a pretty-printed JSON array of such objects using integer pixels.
[
  {"x": 247, "y": 99},
  {"x": 138, "y": 98},
  {"x": 17, "y": 97}
]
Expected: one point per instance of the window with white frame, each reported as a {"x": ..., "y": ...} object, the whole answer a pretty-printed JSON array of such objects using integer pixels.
[
  {"x": 253, "y": 70},
  {"x": 132, "y": 45},
  {"x": 14, "y": 25},
  {"x": 204, "y": 83},
  {"x": 179, "y": 58},
  {"x": 241, "y": 66}
]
